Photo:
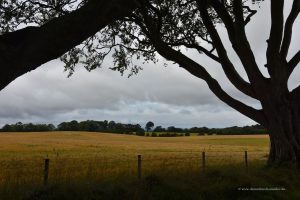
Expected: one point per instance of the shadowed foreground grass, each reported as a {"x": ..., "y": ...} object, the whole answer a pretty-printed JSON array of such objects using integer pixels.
[
  {"x": 218, "y": 182},
  {"x": 95, "y": 166}
]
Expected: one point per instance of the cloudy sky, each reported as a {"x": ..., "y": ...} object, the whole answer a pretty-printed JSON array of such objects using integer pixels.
[{"x": 165, "y": 95}]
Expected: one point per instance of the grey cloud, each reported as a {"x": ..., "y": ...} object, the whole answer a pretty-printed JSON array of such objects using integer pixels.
[{"x": 185, "y": 112}]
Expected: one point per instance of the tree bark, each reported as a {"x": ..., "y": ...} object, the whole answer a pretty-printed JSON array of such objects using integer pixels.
[
  {"x": 284, "y": 142},
  {"x": 283, "y": 127},
  {"x": 26, "y": 49}
]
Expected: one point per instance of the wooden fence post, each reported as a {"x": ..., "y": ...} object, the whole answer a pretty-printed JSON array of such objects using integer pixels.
[
  {"x": 46, "y": 171},
  {"x": 203, "y": 161},
  {"x": 246, "y": 160},
  {"x": 139, "y": 167}
]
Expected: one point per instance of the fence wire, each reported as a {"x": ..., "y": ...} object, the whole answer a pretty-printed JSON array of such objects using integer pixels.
[{"x": 68, "y": 169}]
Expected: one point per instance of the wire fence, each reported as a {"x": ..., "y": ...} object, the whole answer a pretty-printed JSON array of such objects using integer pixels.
[{"x": 69, "y": 169}]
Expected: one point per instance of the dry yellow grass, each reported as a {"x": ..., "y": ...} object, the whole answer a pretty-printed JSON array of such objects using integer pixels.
[
  {"x": 85, "y": 157},
  {"x": 78, "y": 144}
]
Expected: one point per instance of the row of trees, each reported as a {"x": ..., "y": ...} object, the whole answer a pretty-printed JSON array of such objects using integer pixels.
[
  {"x": 114, "y": 127},
  {"x": 234, "y": 130},
  {"x": 89, "y": 125},
  {"x": 101, "y": 126},
  {"x": 20, "y": 127}
]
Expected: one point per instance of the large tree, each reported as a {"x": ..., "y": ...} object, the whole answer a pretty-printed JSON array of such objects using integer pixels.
[{"x": 143, "y": 28}]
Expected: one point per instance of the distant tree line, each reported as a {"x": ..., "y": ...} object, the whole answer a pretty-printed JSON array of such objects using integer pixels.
[
  {"x": 114, "y": 127},
  {"x": 234, "y": 130},
  {"x": 89, "y": 125},
  {"x": 101, "y": 126},
  {"x": 20, "y": 127}
]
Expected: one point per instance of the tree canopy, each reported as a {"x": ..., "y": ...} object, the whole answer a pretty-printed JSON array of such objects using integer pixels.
[{"x": 149, "y": 125}]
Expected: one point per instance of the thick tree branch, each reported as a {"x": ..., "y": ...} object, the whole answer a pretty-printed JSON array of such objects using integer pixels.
[
  {"x": 26, "y": 49},
  {"x": 222, "y": 13},
  {"x": 293, "y": 63},
  {"x": 238, "y": 39},
  {"x": 228, "y": 67},
  {"x": 296, "y": 94},
  {"x": 198, "y": 71},
  {"x": 199, "y": 48},
  {"x": 289, "y": 28},
  {"x": 276, "y": 31},
  {"x": 239, "y": 14}
]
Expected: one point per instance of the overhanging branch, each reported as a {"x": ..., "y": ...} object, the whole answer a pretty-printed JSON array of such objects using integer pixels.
[{"x": 26, "y": 49}]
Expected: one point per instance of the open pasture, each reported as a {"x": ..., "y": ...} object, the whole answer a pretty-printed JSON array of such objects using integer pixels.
[
  {"x": 82, "y": 144},
  {"x": 84, "y": 157}
]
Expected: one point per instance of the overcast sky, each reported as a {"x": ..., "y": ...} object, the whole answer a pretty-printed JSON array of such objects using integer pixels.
[{"x": 165, "y": 95}]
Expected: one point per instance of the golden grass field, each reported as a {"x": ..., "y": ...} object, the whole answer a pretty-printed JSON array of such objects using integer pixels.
[
  {"x": 85, "y": 156},
  {"x": 115, "y": 146}
]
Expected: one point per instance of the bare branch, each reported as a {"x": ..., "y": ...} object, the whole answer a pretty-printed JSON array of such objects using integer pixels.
[
  {"x": 252, "y": 12},
  {"x": 288, "y": 28},
  {"x": 238, "y": 39},
  {"x": 199, "y": 48},
  {"x": 275, "y": 38},
  {"x": 293, "y": 63},
  {"x": 228, "y": 67}
]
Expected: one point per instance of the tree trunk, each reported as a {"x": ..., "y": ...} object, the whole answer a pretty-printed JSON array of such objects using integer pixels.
[
  {"x": 283, "y": 129},
  {"x": 284, "y": 147}
]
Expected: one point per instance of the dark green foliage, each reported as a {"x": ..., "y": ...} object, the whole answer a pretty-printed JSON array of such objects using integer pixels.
[
  {"x": 200, "y": 130},
  {"x": 235, "y": 130},
  {"x": 154, "y": 134},
  {"x": 159, "y": 129},
  {"x": 101, "y": 126},
  {"x": 255, "y": 129},
  {"x": 170, "y": 134},
  {"x": 69, "y": 126},
  {"x": 20, "y": 127},
  {"x": 174, "y": 129},
  {"x": 113, "y": 127},
  {"x": 140, "y": 132},
  {"x": 149, "y": 126}
]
